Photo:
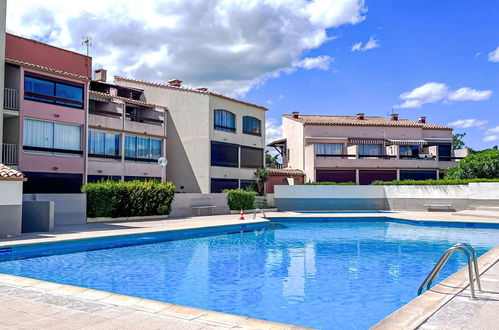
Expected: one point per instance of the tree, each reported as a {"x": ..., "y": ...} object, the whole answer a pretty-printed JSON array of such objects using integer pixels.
[
  {"x": 261, "y": 176},
  {"x": 457, "y": 141},
  {"x": 271, "y": 161},
  {"x": 480, "y": 165}
]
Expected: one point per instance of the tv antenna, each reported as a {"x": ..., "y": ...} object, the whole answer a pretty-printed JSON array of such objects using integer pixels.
[{"x": 86, "y": 41}]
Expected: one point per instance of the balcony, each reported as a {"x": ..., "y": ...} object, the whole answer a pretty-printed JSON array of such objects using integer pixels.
[
  {"x": 143, "y": 124},
  {"x": 11, "y": 99},
  {"x": 379, "y": 161},
  {"x": 10, "y": 154}
]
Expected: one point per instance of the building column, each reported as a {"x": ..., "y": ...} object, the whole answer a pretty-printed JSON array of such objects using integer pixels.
[
  {"x": 357, "y": 173},
  {"x": 398, "y": 175}
]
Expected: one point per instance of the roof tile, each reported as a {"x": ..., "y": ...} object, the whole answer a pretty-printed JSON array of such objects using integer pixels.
[
  {"x": 367, "y": 121},
  {"x": 7, "y": 172}
]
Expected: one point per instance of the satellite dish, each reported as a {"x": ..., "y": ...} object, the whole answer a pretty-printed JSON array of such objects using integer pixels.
[{"x": 162, "y": 161}]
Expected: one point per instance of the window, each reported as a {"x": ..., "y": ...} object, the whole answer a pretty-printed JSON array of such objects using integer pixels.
[
  {"x": 143, "y": 148},
  {"x": 328, "y": 149},
  {"x": 370, "y": 150},
  {"x": 251, "y": 157},
  {"x": 103, "y": 144},
  {"x": 219, "y": 185},
  {"x": 51, "y": 137},
  {"x": 246, "y": 183},
  {"x": 225, "y": 121},
  {"x": 251, "y": 125},
  {"x": 409, "y": 151},
  {"x": 48, "y": 91},
  {"x": 224, "y": 154}
]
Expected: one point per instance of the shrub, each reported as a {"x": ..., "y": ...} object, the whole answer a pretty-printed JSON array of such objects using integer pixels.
[
  {"x": 430, "y": 182},
  {"x": 240, "y": 199},
  {"x": 127, "y": 199},
  {"x": 331, "y": 183},
  {"x": 483, "y": 165}
]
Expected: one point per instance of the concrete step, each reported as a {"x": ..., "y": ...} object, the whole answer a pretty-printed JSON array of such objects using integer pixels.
[{"x": 478, "y": 214}]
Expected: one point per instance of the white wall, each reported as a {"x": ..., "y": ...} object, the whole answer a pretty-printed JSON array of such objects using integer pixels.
[{"x": 11, "y": 192}]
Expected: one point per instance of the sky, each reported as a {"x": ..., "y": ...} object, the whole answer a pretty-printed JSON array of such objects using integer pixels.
[{"x": 438, "y": 59}]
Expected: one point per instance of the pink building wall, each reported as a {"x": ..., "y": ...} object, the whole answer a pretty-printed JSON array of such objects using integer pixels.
[
  {"x": 38, "y": 162},
  {"x": 34, "y": 52}
]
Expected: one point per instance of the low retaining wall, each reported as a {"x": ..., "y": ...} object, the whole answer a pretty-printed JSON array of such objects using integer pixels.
[
  {"x": 69, "y": 209},
  {"x": 183, "y": 204},
  {"x": 410, "y": 198},
  {"x": 38, "y": 216},
  {"x": 10, "y": 208}
]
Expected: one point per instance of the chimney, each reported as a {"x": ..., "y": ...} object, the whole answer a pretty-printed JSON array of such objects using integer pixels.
[
  {"x": 422, "y": 120},
  {"x": 360, "y": 116},
  {"x": 100, "y": 75},
  {"x": 202, "y": 89},
  {"x": 175, "y": 83},
  {"x": 395, "y": 116},
  {"x": 295, "y": 114}
]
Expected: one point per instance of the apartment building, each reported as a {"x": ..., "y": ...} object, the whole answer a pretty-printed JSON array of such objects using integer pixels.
[
  {"x": 126, "y": 135},
  {"x": 215, "y": 142},
  {"x": 363, "y": 149},
  {"x": 44, "y": 115}
]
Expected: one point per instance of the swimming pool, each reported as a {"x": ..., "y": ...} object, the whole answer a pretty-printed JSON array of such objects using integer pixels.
[
  {"x": 336, "y": 211},
  {"x": 324, "y": 274}
]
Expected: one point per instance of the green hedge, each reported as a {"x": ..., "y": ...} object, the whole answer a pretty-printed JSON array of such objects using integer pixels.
[
  {"x": 240, "y": 199},
  {"x": 431, "y": 182},
  {"x": 127, "y": 199},
  {"x": 331, "y": 183}
]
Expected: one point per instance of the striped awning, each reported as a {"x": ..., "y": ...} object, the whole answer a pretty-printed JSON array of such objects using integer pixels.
[
  {"x": 407, "y": 142},
  {"x": 365, "y": 141}
]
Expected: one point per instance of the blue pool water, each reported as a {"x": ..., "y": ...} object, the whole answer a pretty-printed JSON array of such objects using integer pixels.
[
  {"x": 353, "y": 211},
  {"x": 327, "y": 275}
]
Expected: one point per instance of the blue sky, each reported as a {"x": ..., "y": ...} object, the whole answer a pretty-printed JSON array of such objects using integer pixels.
[
  {"x": 339, "y": 57},
  {"x": 420, "y": 41}
]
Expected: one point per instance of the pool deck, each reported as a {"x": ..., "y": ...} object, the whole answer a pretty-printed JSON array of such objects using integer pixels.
[{"x": 33, "y": 304}]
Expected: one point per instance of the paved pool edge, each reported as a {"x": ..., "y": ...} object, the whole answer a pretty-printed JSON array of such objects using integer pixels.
[{"x": 413, "y": 314}]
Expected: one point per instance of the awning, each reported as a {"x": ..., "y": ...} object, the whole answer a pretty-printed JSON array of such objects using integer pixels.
[
  {"x": 407, "y": 142},
  {"x": 277, "y": 143},
  {"x": 365, "y": 141}
]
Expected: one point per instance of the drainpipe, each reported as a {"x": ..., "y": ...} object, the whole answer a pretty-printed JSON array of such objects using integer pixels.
[{"x": 85, "y": 133}]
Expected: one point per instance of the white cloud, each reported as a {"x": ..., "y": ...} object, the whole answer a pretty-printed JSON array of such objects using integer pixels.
[
  {"x": 370, "y": 44},
  {"x": 469, "y": 94},
  {"x": 319, "y": 62},
  {"x": 466, "y": 123},
  {"x": 433, "y": 92},
  {"x": 494, "y": 55},
  {"x": 492, "y": 134},
  {"x": 270, "y": 102},
  {"x": 273, "y": 130},
  {"x": 228, "y": 46},
  {"x": 428, "y": 93}
]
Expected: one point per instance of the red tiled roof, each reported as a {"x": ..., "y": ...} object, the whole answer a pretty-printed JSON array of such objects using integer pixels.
[
  {"x": 46, "y": 69},
  {"x": 367, "y": 121},
  {"x": 284, "y": 171},
  {"x": 9, "y": 173},
  {"x": 126, "y": 99},
  {"x": 200, "y": 91}
]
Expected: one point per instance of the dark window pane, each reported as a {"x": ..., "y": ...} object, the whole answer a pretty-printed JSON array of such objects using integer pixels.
[
  {"x": 251, "y": 125},
  {"x": 69, "y": 92},
  {"x": 418, "y": 175},
  {"x": 224, "y": 154},
  {"x": 369, "y": 176},
  {"x": 219, "y": 185},
  {"x": 38, "y": 86},
  {"x": 251, "y": 157},
  {"x": 52, "y": 183},
  {"x": 246, "y": 183},
  {"x": 96, "y": 178},
  {"x": 335, "y": 176},
  {"x": 225, "y": 121}
]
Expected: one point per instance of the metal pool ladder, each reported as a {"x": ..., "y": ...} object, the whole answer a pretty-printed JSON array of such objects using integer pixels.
[
  {"x": 472, "y": 267},
  {"x": 257, "y": 211}
]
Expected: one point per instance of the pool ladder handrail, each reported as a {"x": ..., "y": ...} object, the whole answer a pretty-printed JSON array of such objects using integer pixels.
[
  {"x": 256, "y": 211},
  {"x": 472, "y": 267}
]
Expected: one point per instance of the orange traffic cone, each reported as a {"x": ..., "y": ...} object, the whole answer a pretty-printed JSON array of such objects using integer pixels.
[{"x": 241, "y": 215}]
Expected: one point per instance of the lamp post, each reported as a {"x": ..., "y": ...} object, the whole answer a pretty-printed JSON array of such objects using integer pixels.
[{"x": 162, "y": 161}]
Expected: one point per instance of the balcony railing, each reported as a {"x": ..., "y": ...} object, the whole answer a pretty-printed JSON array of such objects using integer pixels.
[
  {"x": 145, "y": 120},
  {"x": 9, "y": 154},
  {"x": 11, "y": 99}
]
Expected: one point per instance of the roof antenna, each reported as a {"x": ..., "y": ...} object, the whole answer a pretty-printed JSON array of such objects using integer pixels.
[{"x": 86, "y": 41}]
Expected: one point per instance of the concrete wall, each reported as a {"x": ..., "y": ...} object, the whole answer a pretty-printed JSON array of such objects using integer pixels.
[
  {"x": 10, "y": 208},
  {"x": 183, "y": 203},
  {"x": 69, "y": 209},
  {"x": 3, "y": 9},
  {"x": 337, "y": 197},
  {"x": 330, "y": 197},
  {"x": 38, "y": 216}
]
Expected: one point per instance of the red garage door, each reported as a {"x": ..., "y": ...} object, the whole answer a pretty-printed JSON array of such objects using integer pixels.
[
  {"x": 368, "y": 176},
  {"x": 335, "y": 176}
]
